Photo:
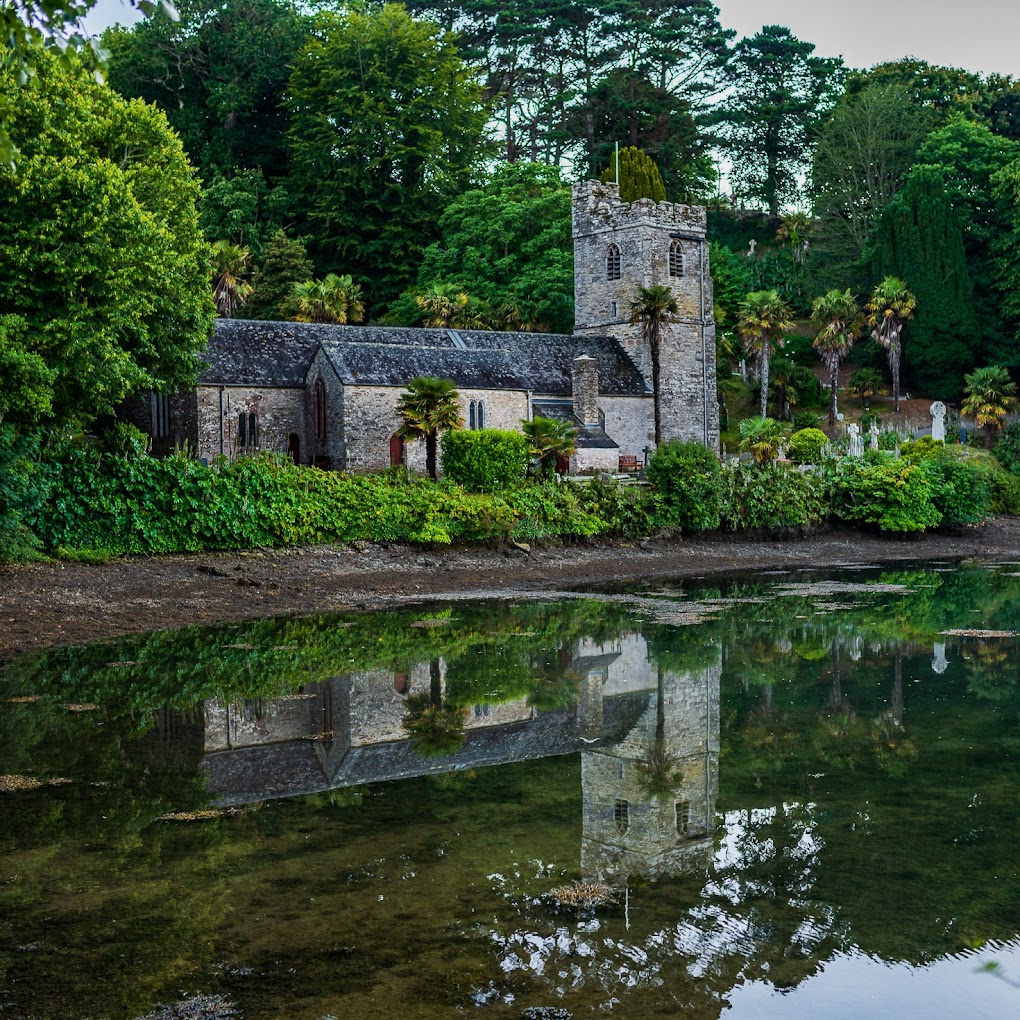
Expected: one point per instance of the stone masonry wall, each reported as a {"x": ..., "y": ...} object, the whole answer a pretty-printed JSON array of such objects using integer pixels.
[
  {"x": 643, "y": 231},
  {"x": 280, "y": 412}
]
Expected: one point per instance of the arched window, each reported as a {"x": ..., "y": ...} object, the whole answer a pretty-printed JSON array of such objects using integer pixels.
[
  {"x": 471, "y": 415},
  {"x": 247, "y": 430},
  {"x": 480, "y": 415},
  {"x": 319, "y": 408},
  {"x": 613, "y": 263},
  {"x": 676, "y": 259},
  {"x": 621, "y": 816},
  {"x": 160, "y": 415}
]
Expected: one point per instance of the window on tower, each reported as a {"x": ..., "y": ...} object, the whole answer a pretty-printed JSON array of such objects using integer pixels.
[
  {"x": 676, "y": 259},
  {"x": 613, "y": 263}
]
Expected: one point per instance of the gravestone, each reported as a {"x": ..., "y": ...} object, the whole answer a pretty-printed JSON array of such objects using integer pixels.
[
  {"x": 873, "y": 435},
  {"x": 938, "y": 420},
  {"x": 856, "y": 441}
]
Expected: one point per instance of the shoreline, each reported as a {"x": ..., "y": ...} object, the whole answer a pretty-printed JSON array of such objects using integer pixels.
[{"x": 51, "y": 604}]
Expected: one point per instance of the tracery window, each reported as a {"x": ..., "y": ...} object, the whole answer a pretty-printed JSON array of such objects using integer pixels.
[
  {"x": 676, "y": 259},
  {"x": 247, "y": 430},
  {"x": 613, "y": 263},
  {"x": 621, "y": 816},
  {"x": 319, "y": 409}
]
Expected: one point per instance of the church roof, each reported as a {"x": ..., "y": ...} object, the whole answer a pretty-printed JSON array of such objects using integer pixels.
[{"x": 246, "y": 353}]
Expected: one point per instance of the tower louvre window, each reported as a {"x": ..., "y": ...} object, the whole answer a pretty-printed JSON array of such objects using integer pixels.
[
  {"x": 676, "y": 259},
  {"x": 621, "y": 816},
  {"x": 613, "y": 263}
]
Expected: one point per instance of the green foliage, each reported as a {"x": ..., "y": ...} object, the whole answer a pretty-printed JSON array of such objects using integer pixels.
[
  {"x": 548, "y": 440},
  {"x": 920, "y": 239},
  {"x": 1007, "y": 450},
  {"x": 99, "y": 220},
  {"x": 24, "y": 490},
  {"x": 764, "y": 320},
  {"x": 484, "y": 460},
  {"x": 806, "y": 446},
  {"x": 806, "y": 420},
  {"x": 386, "y": 128},
  {"x": 244, "y": 209},
  {"x": 284, "y": 264},
  {"x": 989, "y": 396},
  {"x": 731, "y": 283},
  {"x": 893, "y": 495},
  {"x": 427, "y": 407},
  {"x": 26, "y": 394},
  {"x": 686, "y": 477},
  {"x": 508, "y": 242},
  {"x": 628, "y": 510},
  {"x": 764, "y": 438},
  {"x": 771, "y": 496},
  {"x": 639, "y": 176},
  {"x": 960, "y": 492}
]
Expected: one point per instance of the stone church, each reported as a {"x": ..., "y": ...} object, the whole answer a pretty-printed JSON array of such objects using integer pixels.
[{"x": 327, "y": 395}]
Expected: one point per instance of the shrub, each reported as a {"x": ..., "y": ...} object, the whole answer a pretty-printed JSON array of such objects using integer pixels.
[
  {"x": 771, "y": 496},
  {"x": 686, "y": 477},
  {"x": 806, "y": 446},
  {"x": 916, "y": 450},
  {"x": 484, "y": 460},
  {"x": 961, "y": 492},
  {"x": 1007, "y": 450},
  {"x": 806, "y": 420},
  {"x": 764, "y": 438},
  {"x": 1003, "y": 493},
  {"x": 24, "y": 490},
  {"x": 627, "y": 510},
  {"x": 894, "y": 495}
]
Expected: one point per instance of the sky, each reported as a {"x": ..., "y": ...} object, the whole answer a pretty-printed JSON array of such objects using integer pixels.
[{"x": 980, "y": 35}]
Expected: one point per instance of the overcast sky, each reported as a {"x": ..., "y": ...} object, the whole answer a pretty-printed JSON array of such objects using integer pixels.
[{"x": 980, "y": 35}]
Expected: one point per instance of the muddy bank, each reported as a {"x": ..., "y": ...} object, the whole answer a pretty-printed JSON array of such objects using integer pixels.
[{"x": 51, "y": 604}]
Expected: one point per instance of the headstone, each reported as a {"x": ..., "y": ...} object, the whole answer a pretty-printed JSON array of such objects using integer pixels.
[
  {"x": 873, "y": 435},
  {"x": 856, "y": 440},
  {"x": 963, "y": 434},
  {"x": 751, "y": 245},
  {"x": 938, "y": 420}
]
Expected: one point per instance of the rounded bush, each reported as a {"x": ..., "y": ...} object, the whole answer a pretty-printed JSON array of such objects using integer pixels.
[
  {"x": 806, "y": 446},
  {"x": 484, "y": 460}
]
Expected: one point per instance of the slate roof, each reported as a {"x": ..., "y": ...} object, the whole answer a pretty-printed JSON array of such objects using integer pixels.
[
  {"x": 246, "y": 353},
  {"x": 589, "y": 437}
]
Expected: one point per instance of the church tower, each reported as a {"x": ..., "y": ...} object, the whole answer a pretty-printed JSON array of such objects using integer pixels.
[{"x": 621, "y": 246}]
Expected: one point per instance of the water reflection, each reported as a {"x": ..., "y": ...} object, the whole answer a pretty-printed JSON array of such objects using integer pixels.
[{"x": 815, "y": 772}]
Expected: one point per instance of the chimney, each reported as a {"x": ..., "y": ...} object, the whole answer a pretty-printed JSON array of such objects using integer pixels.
[{"x": 584, "y": 378}]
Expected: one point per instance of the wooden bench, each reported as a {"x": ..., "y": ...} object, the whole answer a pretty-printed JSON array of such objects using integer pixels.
[{"x": 628, "y": 465}]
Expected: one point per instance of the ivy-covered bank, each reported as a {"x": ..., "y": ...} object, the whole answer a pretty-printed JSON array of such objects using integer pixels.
[{"x": 88, "y": 502}]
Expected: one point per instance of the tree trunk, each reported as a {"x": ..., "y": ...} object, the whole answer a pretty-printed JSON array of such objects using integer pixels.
[
  {"x": 653, "y": 343},
  {"x": 833, "y": 382},
  {"x": 894, "y": 365},
  {"x": 765, "y": 381}
]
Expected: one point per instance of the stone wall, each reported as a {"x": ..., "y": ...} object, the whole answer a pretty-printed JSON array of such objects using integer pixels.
[
  {"x": 280, "y": 412},
  {"x": 643, "y": 231},
  {"x": 332, "y": 449},
  {"x": 629, "y": 423},
  {"x": 181, "y": 432}
]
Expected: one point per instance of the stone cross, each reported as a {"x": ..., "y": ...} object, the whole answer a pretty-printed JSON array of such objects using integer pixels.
[
  {"x": 751, "y": 245},
  {"x": 856, "y": 440},
  {"x": 873, "y": 435},
  {"x": 938, "y": 420}
]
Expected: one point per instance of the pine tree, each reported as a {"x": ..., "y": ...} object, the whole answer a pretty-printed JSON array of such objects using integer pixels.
[
  {"x": 284, "y": 264},
  {"x": 920, "y": 239},
  {"x": 639, "y": 176}
]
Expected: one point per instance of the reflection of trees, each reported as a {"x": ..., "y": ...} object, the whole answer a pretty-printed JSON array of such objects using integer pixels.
[
  {"x": 990, "y": 666},
  {"x": 435, "y": 728},
  {"x": 660, "y": 774}
]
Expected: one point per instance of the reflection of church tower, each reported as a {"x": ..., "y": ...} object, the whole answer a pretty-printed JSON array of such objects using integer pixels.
[
  {"x": 621, "y": 246},
  {"x": 649, "y": 801}
]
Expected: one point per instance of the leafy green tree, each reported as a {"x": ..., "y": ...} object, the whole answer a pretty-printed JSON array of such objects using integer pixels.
[
  {"x": 284, "y": 264},
  {"x": 731, "y": 283},
  {"x": 779, "y": 93},
  {"x": 862, "y": 154},
  {"x": 99, "y": 238},
  {"x": 426, "y": 408},
  {"x": 335, "y": 299},
  {"x": 920, "y": 238},
  {"x": 784, "y": 378},
  {"x": 230, "y": 263},
  {"x": 244, "y": 209},
  {"x": 654, "y": 309},
  {"x": 765, "y": 319},
  {"x": 764, "y": 438},
  {"x": 219, "y": 74},
  {"x": 1005, "y": 251},
  {"x": 508, "y": 241},
  {"x": 26, "y": 395},
  {"x": 386, "y": 128},
  {"x": 989, "y": 396},
  {"x": 837, "y": 322},
  {"x": 890, "y": 307},
  {"x": 639, "y": 177},
  {"x": 549, "y": 439}
]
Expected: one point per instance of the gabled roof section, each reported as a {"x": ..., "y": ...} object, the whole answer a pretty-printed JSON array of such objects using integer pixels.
[
  {"x": 589, "y": 437},
  {"x": 247, "y": 353}
]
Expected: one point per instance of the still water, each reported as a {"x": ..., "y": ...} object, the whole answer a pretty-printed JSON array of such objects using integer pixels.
[{"x": 787, "y": 796}]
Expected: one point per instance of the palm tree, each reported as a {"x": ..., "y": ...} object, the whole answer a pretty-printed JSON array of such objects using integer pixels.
[
  {"x": 837, "y": 321},
  {"x": 764, "y": 438},
  {"x": 427, "y": 407},
  {"x": 891, "y": 305},
  {"x": 442, "y": 303},
  {"x": 550, "y": 438},
  {"x": 864, "y": 383},
  {"x": 783, "y": 386},
  {"x": 654, "y": 307},
  {"x": 229, "y": 264},
  {"x": 336, "y": 300},
  {"x": 989, "y": 395},
  {"x": 765, "y": 319}
]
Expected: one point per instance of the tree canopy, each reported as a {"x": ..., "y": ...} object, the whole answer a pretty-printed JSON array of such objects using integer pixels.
[{"x": 105, "y": 265}]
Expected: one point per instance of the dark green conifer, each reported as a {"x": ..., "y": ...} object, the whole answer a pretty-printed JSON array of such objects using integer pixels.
[{"x": 639, "y": 176}]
